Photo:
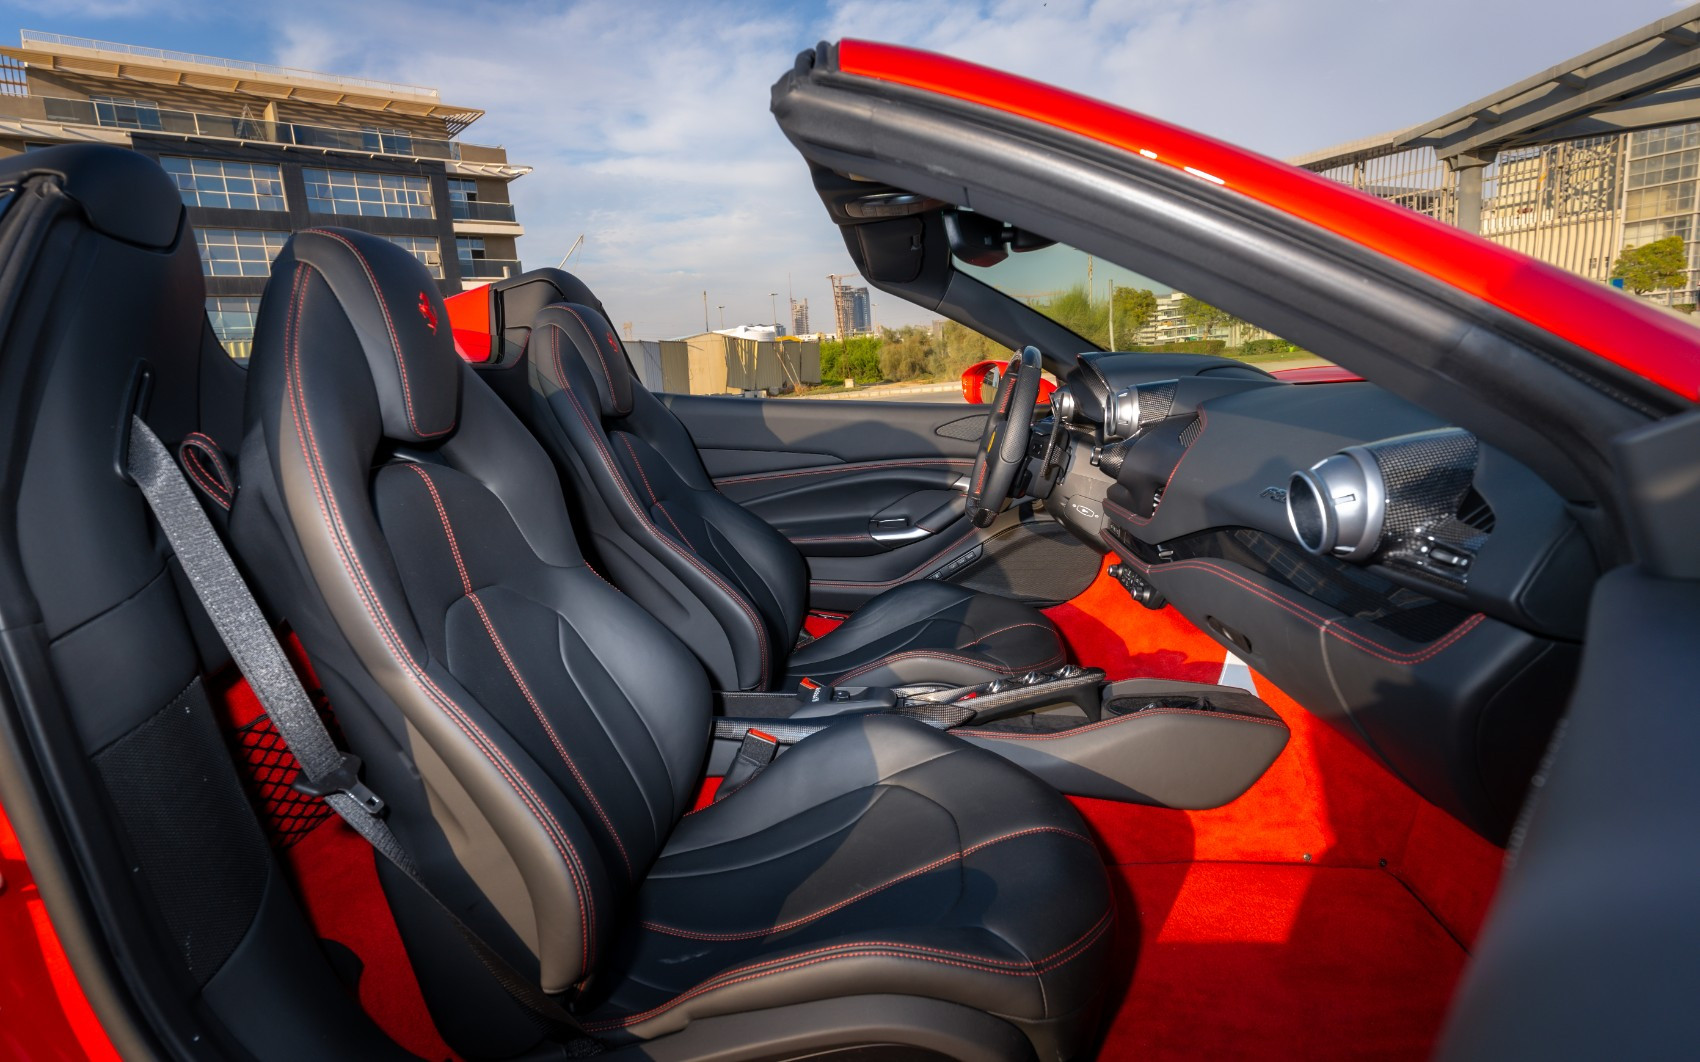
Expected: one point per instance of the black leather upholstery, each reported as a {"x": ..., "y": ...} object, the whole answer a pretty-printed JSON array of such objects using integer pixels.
[
  {"x": 930, "y": 632},
  {"x": 878, "y": 852},
  {"x": 730, "y": 584},
  {"x": 538, "y": 736}
]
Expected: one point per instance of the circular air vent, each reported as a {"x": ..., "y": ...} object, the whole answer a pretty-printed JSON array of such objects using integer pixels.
[
  {"x": 1337, "y": 505},
  {"x": 1396, "y": 489}
]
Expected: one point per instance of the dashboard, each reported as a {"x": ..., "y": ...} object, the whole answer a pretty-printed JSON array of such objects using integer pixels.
[{"x": 1422, "y": 591}]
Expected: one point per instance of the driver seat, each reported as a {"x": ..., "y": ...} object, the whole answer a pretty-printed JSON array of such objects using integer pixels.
[{"x": 729, "y": 584}]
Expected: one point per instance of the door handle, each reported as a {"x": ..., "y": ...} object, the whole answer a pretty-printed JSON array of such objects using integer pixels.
[{"x": 895, "y": 531}]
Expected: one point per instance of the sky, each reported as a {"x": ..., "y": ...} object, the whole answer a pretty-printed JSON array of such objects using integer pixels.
[{"x": 647, "y": 126}]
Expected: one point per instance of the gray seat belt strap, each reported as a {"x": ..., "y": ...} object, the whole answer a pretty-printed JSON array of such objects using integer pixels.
[{"x": 326, "y": 771}]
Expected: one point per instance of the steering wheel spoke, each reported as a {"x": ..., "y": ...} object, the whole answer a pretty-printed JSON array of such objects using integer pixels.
[{"x": 1003, "y": 447}]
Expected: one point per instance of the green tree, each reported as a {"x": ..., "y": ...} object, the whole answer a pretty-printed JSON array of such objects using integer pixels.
[
  {"x": 1133, "y": 308},
  {"x": 1203, "y": 316},
  {"x": 857, "y": 358},
  {"x": 1654, "y": 266},
  {"x": 906, "y": 353},
  {"x": 962, "y": 347}
]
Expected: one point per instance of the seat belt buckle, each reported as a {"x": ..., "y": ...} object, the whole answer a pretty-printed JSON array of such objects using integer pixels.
[
  {"x": 811, "y": 692},
  {"x": 345, "y": 779},
  {"x": 754, "y": 754}
]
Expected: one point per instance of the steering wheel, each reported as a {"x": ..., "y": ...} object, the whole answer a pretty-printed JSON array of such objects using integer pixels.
[{"x": 1003, "y": 448}]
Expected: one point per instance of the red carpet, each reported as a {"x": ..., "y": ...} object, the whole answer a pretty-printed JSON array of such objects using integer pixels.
[
  {"x": 1323, "y": 914},
  {"x": 1245, "y": 960}
]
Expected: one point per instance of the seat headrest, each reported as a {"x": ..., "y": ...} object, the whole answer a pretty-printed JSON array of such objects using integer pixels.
[
  {"x": 516, "y": 302},
  {"x": 591, "y": 339},
  {"x": 398, "y": 315}
]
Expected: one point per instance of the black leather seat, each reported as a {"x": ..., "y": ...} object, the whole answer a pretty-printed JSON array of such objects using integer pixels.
[
  {"x": 733, "y": 587},
  {"x": 538, "y": 737}
]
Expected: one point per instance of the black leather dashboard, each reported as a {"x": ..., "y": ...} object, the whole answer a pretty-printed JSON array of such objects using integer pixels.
[{"x": 1453, "y": 682}]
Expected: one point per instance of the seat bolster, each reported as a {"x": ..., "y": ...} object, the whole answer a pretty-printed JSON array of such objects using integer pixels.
[
  {"x": 930, "y": 632},
  {"x": 878, "y": 851}
]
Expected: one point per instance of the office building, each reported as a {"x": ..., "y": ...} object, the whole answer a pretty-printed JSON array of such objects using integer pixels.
[{"x": 260, "y": 151}]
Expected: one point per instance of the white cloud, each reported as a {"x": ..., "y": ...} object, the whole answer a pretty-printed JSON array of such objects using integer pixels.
[{"x": 649, "y": 129}]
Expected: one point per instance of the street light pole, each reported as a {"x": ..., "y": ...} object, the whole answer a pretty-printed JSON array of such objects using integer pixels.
[
  {"x": 722, "y": 309},
  {"x": 773, "y": 303},
  {"x": 1112, "y": 313}
]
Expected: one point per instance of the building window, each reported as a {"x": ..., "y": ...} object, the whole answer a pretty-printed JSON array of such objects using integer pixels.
[
  {"x": 389, "y": 141},
  {"x": 382, "y": 195},
  {"x": 469, "y": 248},
  {"x": 423, "y": 248},
  {"x": 239, "y": 252},
  {"x": 462, "y": 190},
  {"x": 226, "y": 185},
  {"x": 232, "y": 320},
  {"x": 126, "y": 113}
]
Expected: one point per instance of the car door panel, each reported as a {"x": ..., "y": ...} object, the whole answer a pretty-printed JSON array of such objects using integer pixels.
[
  {"x": 844, "y": 510},
  {"x": 823, "y": 473}
]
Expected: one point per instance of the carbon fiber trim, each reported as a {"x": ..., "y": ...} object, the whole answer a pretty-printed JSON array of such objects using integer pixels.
[
  {"x": 966, "y": 429},
  {"x": 1426, "y": 477}
]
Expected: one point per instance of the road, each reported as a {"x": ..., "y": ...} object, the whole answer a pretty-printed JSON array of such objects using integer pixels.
[{"x": 945, "y": 393}]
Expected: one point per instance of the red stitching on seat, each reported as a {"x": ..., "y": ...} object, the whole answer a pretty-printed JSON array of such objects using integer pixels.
[
  {"x": 1000, "y": 630},
  {"x": 212, "y": 480},
  {"x": 619, "y": 478},
  {"x": 513, "y": 671},
  {"x": 865, "y": 893},
  {"x": 330, "y": 513},
  {"x": 209, "y": 452},
  {"x": 395, "y": 340},
  {"x": 982, "y": 964},
  {"x": 613, "y": 399},
  {"x": 653, "y": 499},
  {"x": 1327, "y": 625},
  {"x": 448, "y": 531}
]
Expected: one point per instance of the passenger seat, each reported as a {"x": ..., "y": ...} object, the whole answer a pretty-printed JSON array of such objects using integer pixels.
[
  {"x": 882, "y": 887},
  {"x": 721, "y": 577}
]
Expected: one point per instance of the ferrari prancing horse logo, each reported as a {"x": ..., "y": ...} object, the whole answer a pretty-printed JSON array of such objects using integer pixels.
[{"x": 427, "y": 313}]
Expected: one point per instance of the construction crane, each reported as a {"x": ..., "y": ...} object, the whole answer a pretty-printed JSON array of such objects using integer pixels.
[
  {"x": 570, "y": 250},
  {"x": 840, "y": 306}
]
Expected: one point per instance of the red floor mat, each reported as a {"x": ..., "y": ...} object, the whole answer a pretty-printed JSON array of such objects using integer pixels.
[
  {"x": 1325, "y": 913},
  {"x": 1244, "y": 960}
]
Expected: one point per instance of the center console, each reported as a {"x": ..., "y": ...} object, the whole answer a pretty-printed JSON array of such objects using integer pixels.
[{"x": 1171, "y": 744}]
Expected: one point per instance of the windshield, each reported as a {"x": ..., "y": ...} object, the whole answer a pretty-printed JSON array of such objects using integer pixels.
[{"x": 1078, "y": 292}]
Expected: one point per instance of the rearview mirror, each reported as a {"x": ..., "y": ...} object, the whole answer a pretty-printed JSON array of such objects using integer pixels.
[{"x": 982, "y": 241}]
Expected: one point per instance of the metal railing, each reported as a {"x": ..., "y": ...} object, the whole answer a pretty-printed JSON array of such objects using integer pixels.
[
  {"x": 476, "y": 210},
  {"x": 146, "y": 119},
  {"x": 493, "y": 268},
  {"x": 60, "y": 40},
  {"x": 1559, "y": 202}
]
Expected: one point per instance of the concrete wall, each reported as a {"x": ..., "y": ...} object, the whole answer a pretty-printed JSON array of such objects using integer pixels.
[{"x": 715, "y": 364}]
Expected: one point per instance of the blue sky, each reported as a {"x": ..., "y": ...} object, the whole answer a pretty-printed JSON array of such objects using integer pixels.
[{"x": 647, "y": 122}]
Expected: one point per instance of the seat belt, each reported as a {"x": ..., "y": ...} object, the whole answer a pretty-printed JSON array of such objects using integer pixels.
[{"x": 326, "y": 771}]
